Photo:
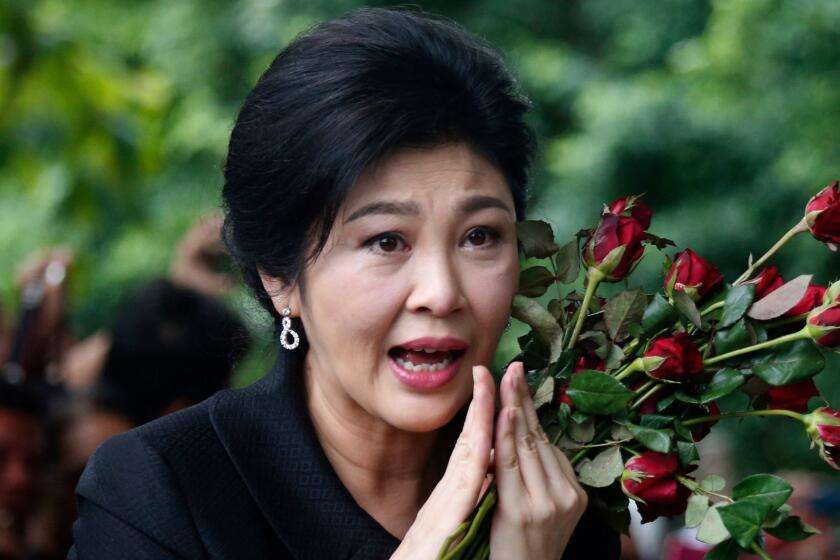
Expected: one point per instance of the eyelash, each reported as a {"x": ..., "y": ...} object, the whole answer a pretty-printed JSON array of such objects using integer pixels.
[{"x": 493, "y": 234}]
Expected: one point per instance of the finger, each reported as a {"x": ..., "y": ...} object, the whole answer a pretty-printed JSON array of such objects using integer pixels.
[
  {"x": 554, "y": 472},
  {"x": 470, "y": 457},
  {"x": 530, "y": 462},
  {"x": 508, "y": 477}
]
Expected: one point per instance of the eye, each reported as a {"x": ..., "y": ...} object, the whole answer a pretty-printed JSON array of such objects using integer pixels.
[
  {"x": 385, "y": 243},
  {"x": 484, "y": 237}
]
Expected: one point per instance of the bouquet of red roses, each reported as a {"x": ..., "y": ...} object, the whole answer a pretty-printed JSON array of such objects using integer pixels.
[{"x": 628, "y": 385}]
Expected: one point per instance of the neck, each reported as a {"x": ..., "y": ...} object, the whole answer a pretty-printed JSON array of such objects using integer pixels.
[{"x": 389, "y": 472}]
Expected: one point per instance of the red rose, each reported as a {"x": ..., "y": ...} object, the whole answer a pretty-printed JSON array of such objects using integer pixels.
[
  {"x": 631, "y": 206},
  {"x": 650, "y": 404},
  {"x": 692, "y": 274},
  {"x": 767, "y": 280},
  {"x": 813, "y": 298},
  {"x": 650, "y": 479},
  {"x": 822, "y": 214},
  {"x": 699, "y": 431},
  {"x": 682, "y": 361},
  {"x": 613, "y": 233},
  {"x": 824, "y": 428},
  {"x": 824, "y": 325},
  {"x": 792, "y": 397},
  {"x": 589, "y": 362}
]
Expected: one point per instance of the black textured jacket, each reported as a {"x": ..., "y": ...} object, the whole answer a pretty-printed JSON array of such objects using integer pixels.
[{"x": 240, "y": 475}]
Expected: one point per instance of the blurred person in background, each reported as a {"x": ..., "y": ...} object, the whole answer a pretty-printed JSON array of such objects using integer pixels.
[{"x": 22, "y": 447}]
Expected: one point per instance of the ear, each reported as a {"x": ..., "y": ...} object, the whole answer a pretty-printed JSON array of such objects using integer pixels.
[{"x": 282, "y": 294}]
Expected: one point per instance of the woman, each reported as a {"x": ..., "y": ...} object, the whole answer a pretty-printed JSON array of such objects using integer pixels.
[{"x": 374, "y": 178}]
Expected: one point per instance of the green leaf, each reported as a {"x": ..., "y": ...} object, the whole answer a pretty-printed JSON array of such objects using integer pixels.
[
  {"x": 727, "y": 550},
  {"x": 683, "y": 432},
  {"x": 738, "y": 300},
  {"x": 743, "y": 520},
  {"x": 655, "y": 440},
  {"x": 780, "y": 300},
  {"x": 622, "y": 310},
  {"x": 582, "y": 432},
  {"x": 568, "y": 262},
  {"x": 792, "y": 529},
  {"x": 712, "y": 530},
  {"x": 601, "y": 471},
  {"x": 658, "y": 315},
  {"x": 595, "y": 392},
  {"x": 722, "y": 383},
  {"x": 536, "y": 238},
  {"x": 790, "y": 363},
  {"x": 686, "y": 306},
  {"x": 655, "y": 421},
  {"x": 732, "y": 338},
  {"x": 544, "y": 393},
  {"x": 764, "y": 488},
  {"x": 664, "y": 402},
  {"x": 687, "y": 453},
  {"x": 713, "y": 483},
  {"x": 682, "y": 396},
  {"x": 534, "y": 281},
  {"x": 698, "y": 504},
  {"x": 530, "y": 312}
]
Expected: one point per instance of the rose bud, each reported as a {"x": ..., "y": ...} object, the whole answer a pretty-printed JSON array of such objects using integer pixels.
[
  {"x": 832, "y": 294},
  {"x": 766, "y": 281},
  {"x": 699, "y": 431},
  {"x": 823, "y": 427},
  {"x": 650, "y": 479},
  {"x": 631, "y": 206},
  {"x": 813, "y": 298},
  {"x": 822, "y": 214},
  {"x": 692, "y": 274},
  {"x": 615, "y": 246},
  {"x": 792, "y": 397},
  {"x": 682, "y": 361},
  {"x": 823, "y": 325}
]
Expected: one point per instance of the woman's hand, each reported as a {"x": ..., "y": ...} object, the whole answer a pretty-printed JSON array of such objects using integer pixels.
[
  {"x": 540, "y": 499},
  {"x": 458, "y": 491}
]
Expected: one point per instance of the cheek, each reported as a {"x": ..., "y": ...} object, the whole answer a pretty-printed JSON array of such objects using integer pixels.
[{"x": 353, "y": 308}]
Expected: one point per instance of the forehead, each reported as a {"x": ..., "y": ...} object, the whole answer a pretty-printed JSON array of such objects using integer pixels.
[{"x": 442, "y": 173}]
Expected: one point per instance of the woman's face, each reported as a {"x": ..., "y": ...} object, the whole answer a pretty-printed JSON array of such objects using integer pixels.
[{"x": 424, "y": 246}]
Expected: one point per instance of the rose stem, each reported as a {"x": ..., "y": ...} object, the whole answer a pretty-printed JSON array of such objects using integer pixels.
[
  {"x": 775, "y": 412},
  {"x": 487, "y": 503},
  {"x": 580, "y": 454},
  {"x": 645, "y": 397},
  {"x": 632, "y": 367},
  {"x": 696, "y": 488},
  {"x": 801, "y": 227},
  {"x": 767, "y": 344},
  {"x": 760, "y": 551},
  {"x": 462, "y": 528},
  {"x": 594, "y": 276},
  {"x": 712, "y": 307}
]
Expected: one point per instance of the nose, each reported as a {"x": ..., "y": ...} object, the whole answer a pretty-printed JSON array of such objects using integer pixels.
[{"x": 436, "y": 286}]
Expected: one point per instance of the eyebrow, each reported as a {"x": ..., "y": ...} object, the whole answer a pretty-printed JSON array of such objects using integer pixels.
[{"x": 468, "y": 206}]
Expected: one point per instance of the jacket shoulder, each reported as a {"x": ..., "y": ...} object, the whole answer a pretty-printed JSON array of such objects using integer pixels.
[{"x": 129, "y": 493}]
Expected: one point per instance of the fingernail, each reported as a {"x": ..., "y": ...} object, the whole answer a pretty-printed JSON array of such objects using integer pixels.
[{"x": 475, "y": 375}]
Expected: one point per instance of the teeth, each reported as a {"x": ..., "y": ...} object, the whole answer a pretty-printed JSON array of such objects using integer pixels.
[
  {"x": 426, "y": 350},
  {"x": 423, "y": 367}
]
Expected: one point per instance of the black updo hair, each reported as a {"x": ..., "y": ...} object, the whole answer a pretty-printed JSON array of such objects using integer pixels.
[{"x": 342, "y": 97}]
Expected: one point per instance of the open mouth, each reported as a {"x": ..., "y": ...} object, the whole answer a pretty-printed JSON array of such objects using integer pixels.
[{"x": 419, "y": 360}]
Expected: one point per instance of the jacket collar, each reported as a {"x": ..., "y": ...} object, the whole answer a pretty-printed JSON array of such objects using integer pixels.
[{"x": 269, "y": 436}]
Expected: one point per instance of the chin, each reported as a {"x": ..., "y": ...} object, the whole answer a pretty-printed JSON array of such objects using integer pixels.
[{"x": 420, "y": 415}]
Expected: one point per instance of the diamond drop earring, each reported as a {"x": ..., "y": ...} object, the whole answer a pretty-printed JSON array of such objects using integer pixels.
[
  {"x": 507, "y": 327},
  {"x": 287, "y": 331}
]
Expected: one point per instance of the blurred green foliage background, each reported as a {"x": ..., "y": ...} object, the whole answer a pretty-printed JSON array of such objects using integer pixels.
[{"x": 114, "y": 118}]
